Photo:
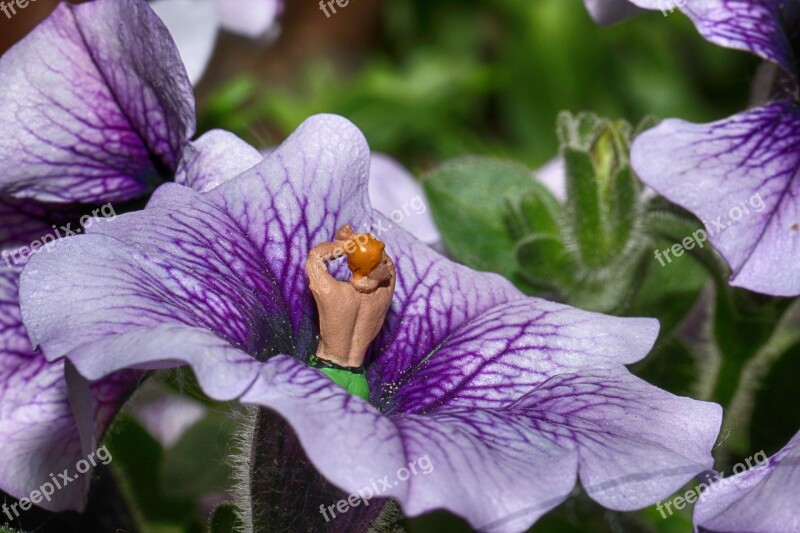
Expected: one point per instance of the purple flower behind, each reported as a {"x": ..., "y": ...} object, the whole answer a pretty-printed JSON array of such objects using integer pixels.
[
  {"x": 39, "y": 432},
  {"x": 194, "y": 25},
  {"x": 610, "y": 11},
  {"x": 88, "y": 112},
  {"x": 95, "y": 107},
  {"x": 507, "y": 395},
  {"x": 764, "y": 499},
  {"x": 721, "y": 171},
  {"x": 394, "y": 192}
]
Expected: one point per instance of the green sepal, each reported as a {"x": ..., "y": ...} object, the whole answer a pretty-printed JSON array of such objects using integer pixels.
[
  {"x": 225, "y": 519},
  {"x": 584, "y": 211},
  {"x": 353, "y": 382},
  {"x": 602, "y": 191},
  {"x": 545, "y": 262},
  {"x": 535, "y": 212}
]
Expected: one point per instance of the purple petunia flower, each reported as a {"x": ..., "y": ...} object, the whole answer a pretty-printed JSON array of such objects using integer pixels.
[
  {"x": 764, "y": 499},
  {"x": 506, "y": 395},
  {"x": 739, "y": 175},
  {"x": 194, "y": 25},
  {"x": 94, "y": 107}
]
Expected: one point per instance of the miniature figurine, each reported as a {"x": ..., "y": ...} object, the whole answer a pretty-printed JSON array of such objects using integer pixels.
[{"x": 350, "y": 313}]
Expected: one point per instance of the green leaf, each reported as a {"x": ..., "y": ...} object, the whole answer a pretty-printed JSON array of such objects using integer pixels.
[
  {"x": 545, "y": 262},
  {"x": 197, "y": 465},
  {"x": 669, "y": 291},
  {"x": 752, "y": 356},
  {"x": 469, "y": 200},
  {"x": 138, "y": 459},
  {"x": 225, "y": 519}
]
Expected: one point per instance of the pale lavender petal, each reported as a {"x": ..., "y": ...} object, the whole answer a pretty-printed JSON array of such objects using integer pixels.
[
  {"x": 395, "y": 193},
  {"x": 553, "y": 175},
  {"x": 216, "y": 281},
  {"x": 165, "y": 414},
  {"x": 762, "y": 27},
  {"x": 637, "y": 443},
  {"x": 37, "y": 428},
  {"x": 353, "y": 445},
  {"x": 631, "y": 443},
  {"x": 193, "y": 25},
  {"x": 762, "y": 499},
  {"x": 223, "y": 371},
  {"x": 499, "y": 356},
  {"x": 167, "y": 265},
  {"x": 758, "y": 26},
  {"x": 610, "y": 11},
  {"x": 215, "y": 158},
  {"x": 251, "y": 18},
  {"x": 740, "y": 173},
  {"x": 88, "y": 100}
]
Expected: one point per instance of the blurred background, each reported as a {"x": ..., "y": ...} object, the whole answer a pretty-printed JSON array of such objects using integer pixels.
[
  {"x": 431, "y": 79},
  {"x": 426, "y": 81}
]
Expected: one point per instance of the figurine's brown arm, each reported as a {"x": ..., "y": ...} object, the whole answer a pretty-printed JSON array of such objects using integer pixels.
[
  {"x": 393, "y": 274},
  {"x": 316, "y": 265}
]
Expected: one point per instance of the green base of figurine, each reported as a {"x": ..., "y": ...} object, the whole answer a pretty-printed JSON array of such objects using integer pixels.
[{"x": 353, "y": 380}]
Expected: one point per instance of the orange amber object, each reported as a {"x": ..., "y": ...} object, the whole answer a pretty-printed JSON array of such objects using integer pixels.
[{"x": 364, "y": 254}]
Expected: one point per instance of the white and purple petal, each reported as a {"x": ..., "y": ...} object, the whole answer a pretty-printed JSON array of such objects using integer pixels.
[
  {"x": 38, "y": 425},
  {"x": 93, "y": 103},
  {"x": 597, "y": 424},
  {"x": 215, "y": 158},
  {"x": 248, "y": 287},
  {"x": 762, "y": 499},
  {"x": 762, "y": 27},
  {"x": 740, "y": 177},
  {"x": 194, "y": 25},
  {"x": 496, "y": 356}
]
